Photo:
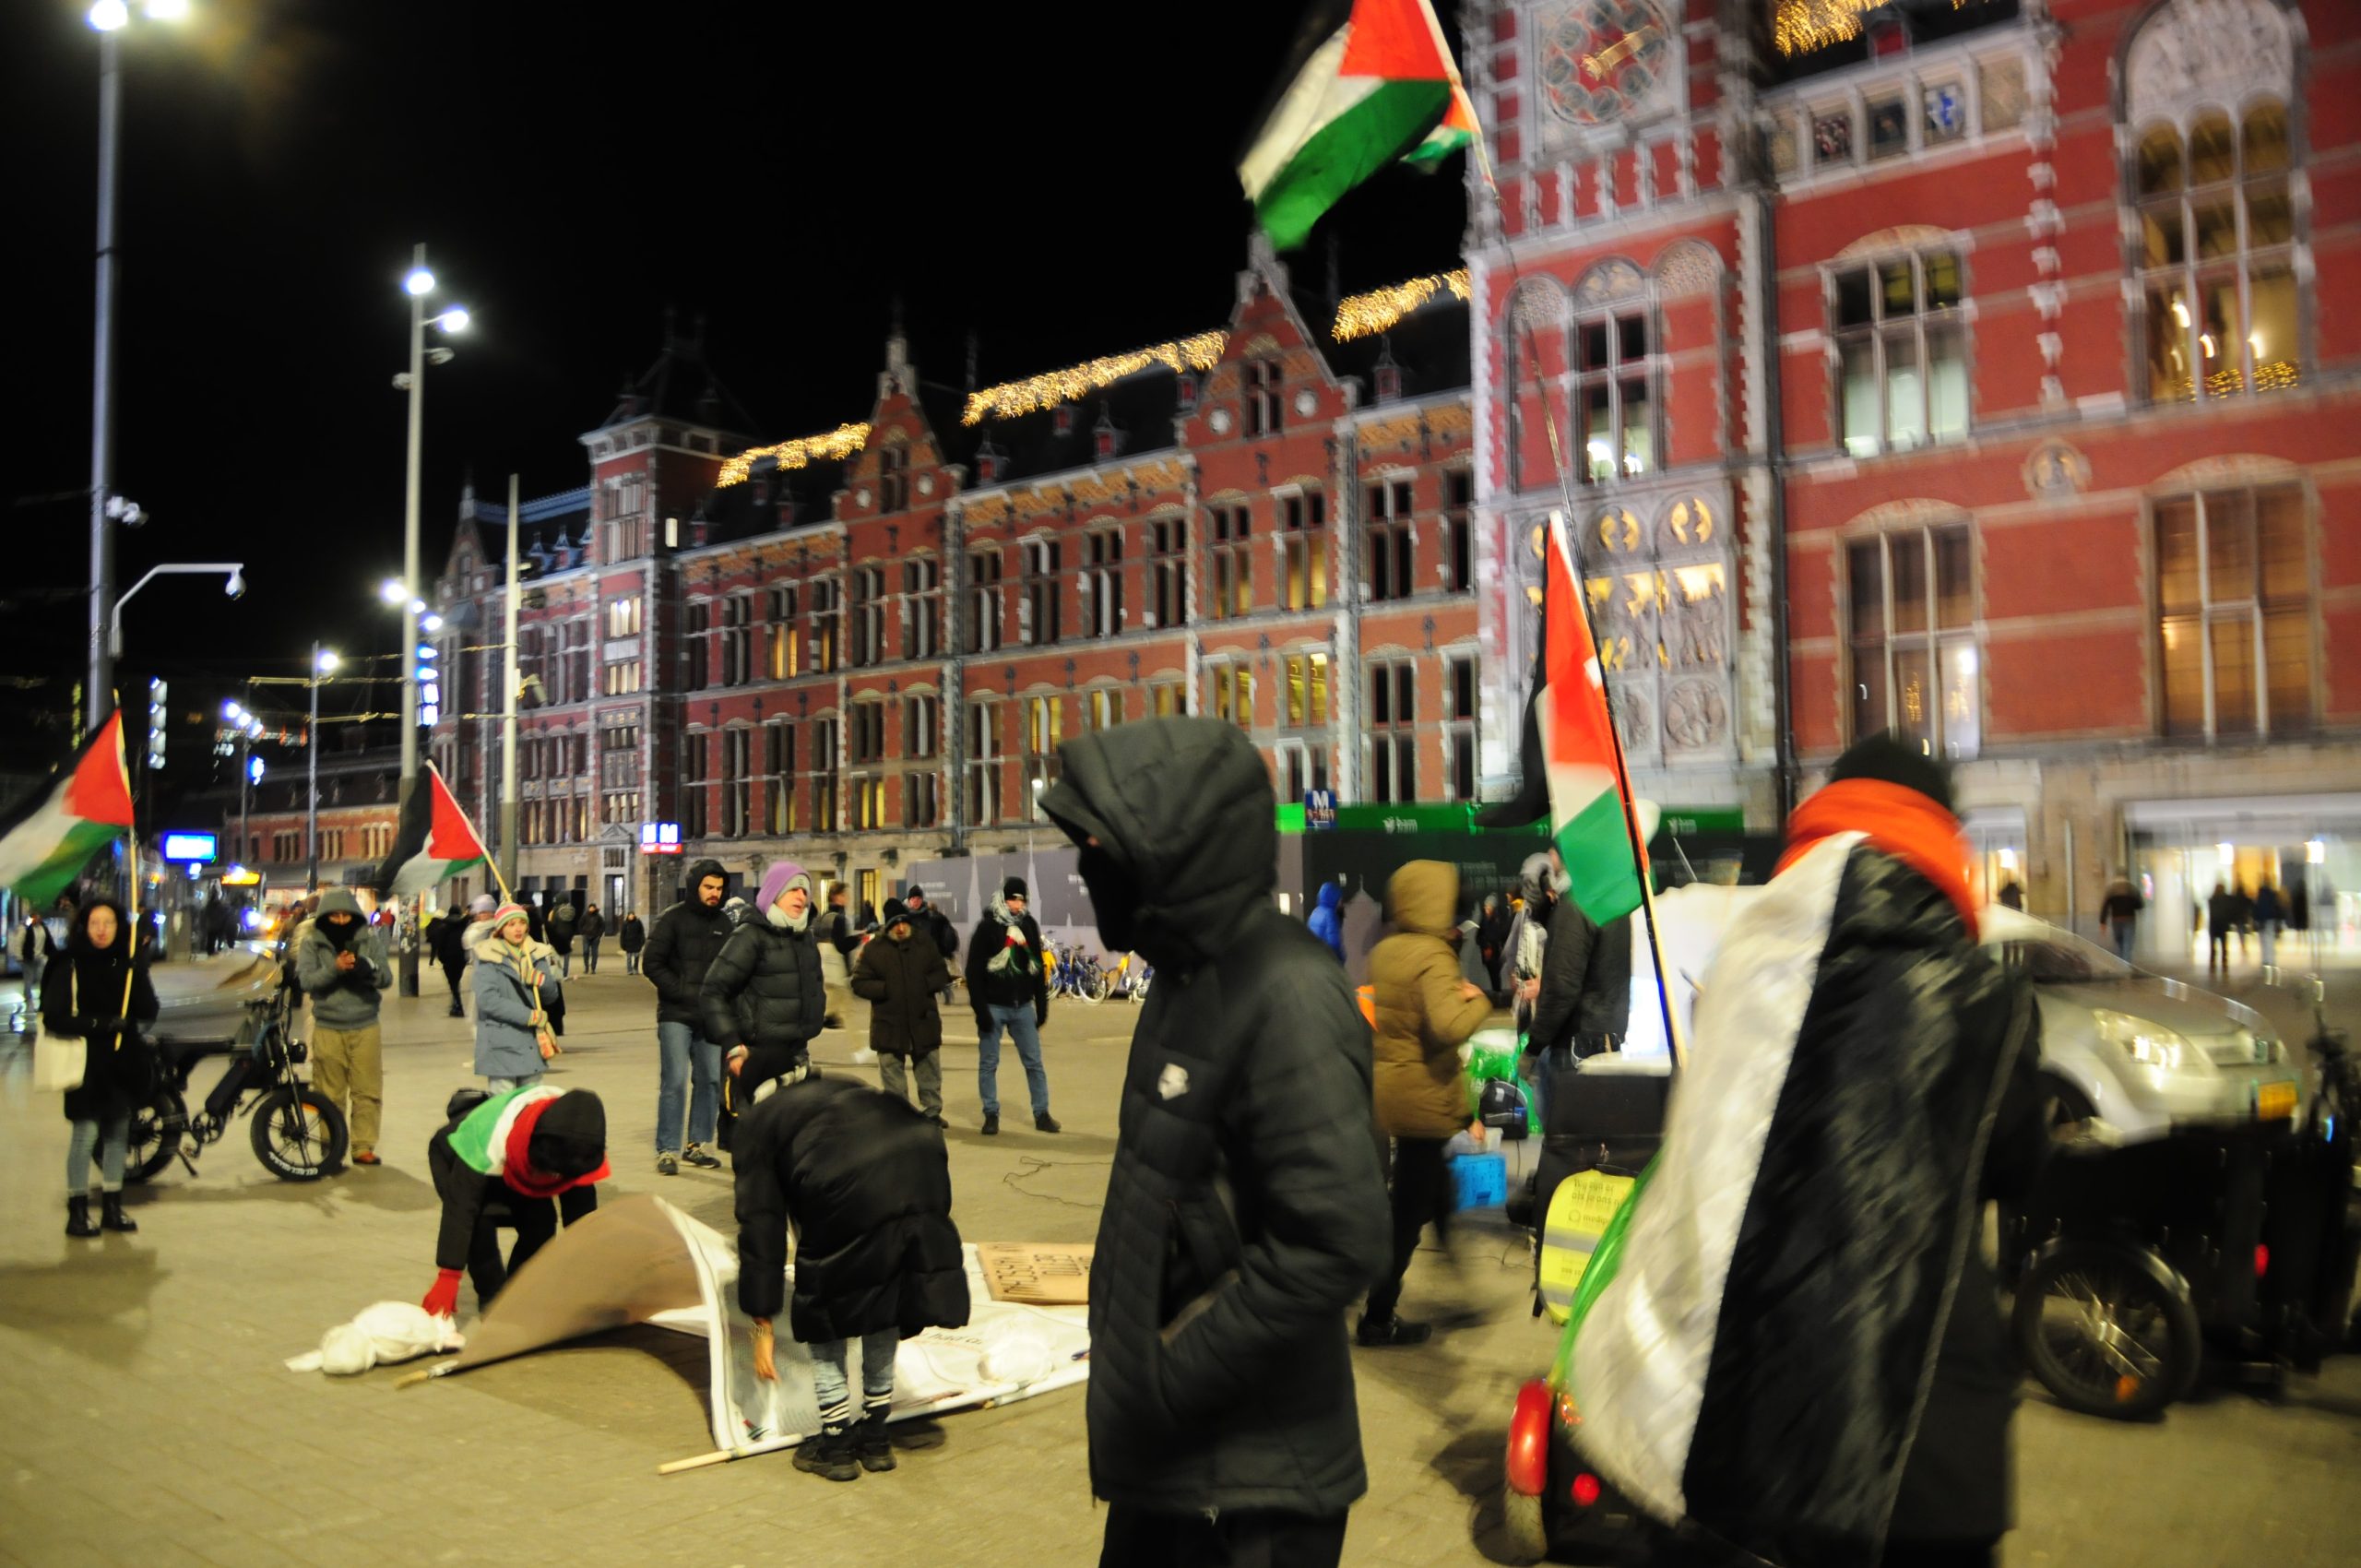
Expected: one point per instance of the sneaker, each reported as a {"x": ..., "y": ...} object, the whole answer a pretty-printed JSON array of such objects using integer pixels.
[
  {"x": 830, "y": 1456},
  {"x": 1045, "y": 1123},
  {"x": 871, "y": 1443},
  {"x": 695, "y": 1156},
  {"x": 1378, "y": 1332},
  {"x": 666, "y": 1165},
  {"x": 992, "y": 1123},
  {"x": 366, "y": 1157}
]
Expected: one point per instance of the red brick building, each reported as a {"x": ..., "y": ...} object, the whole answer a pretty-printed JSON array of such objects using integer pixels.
[{"x": 2011, "y": 350}]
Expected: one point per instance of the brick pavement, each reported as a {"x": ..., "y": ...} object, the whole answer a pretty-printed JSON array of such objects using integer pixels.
[{"x": 147, "y": 1419}]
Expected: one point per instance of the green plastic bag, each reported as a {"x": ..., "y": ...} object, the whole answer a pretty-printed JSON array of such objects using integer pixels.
[
  {"x": 1492, "y": 1053},
  {"x": 1604, "y": 1261}
]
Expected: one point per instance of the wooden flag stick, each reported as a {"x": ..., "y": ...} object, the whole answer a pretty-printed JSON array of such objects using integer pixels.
[{"x": 719, "y": 1456}]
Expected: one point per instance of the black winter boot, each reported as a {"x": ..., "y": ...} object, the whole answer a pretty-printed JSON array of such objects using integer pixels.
[
  {"x": 78, "y": 1216},
  {"x": 829, "y": 1456},
  {"x": 110, "y": 1208},
  {"x": 875, "y": 1449}
]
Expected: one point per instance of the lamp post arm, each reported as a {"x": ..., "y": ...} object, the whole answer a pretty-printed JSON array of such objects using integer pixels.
[{"x": 114, "y": 617}]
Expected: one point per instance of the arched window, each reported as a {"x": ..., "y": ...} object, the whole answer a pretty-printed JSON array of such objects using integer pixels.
[{"x": 2216, "y": 255}]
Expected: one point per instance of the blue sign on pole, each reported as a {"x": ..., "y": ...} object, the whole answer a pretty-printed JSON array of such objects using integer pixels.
[
  {"x": 192, "y": 847},
  {"x": 1319, "y": 809}
]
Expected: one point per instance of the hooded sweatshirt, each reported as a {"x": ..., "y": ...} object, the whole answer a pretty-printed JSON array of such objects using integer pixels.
[
  {"x": 342, "y": 999},
  {"x": 1245, "y": 1210},
  {"x": 686, "y": 941},
  {"x": 1325, "y": 923}
]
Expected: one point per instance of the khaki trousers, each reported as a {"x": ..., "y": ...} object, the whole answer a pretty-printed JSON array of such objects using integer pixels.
[{"x": 348, "y": 1066}]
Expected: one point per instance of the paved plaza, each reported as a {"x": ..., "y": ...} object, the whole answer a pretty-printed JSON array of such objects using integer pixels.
[{"x": 148, "y": 1420}]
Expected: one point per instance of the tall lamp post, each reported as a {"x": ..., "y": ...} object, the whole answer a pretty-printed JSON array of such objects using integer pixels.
[
  {"x": 419, "y": 282},
  {"x": 324, "y": 662},
  {"x": 249, "y": 729},
  {"x": 109, "y": 18}
]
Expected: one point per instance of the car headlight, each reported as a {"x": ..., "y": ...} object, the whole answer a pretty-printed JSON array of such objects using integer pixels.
[{"x": 2149, "y": 1044}]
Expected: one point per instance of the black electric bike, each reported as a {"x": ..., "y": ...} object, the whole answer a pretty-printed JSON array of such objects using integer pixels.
[{"x": 297, "y": 1131}]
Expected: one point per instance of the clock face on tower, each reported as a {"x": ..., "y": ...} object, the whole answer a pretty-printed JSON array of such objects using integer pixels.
[{"x": 1603, "y": 59}]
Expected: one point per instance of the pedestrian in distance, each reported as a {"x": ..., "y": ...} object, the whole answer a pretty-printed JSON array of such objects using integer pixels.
[
  {"x": 97, "y": 991},
  {"x": 900, "y": 978},
  {"x": 1326, "y": 922},
  {"x": 929, "y": 921},
  {"x": 1526, "y": 948},
  {"x": 340, "y": 963},
  {"x": 34, "y": 950},
  {"x": 687, "y": 939},
  {"x": 525, "y": 1159},
  {"x": 1426, "y": 1010},
  {"x": 2221, "y": 916},
  {"x": 1008, "y": 985},
  {"x": 515, "y": 1034},
  {"x": 563, "y": 929},
  {"x": 2269, "y": 912},
  {"x": 837, "y": 928},
  {"x": 631, "y": 936},
  {"x": 447, "y": 943},
  {"x": 736, "y": 910},
  {"x": 1492, "y": 937},
  {"x": 862, "y": 1180},
  {"x": 2119, "y": 911},
  {"x": 839, "y": 944},
  {"x": 479, "y": 926},
  {"x": 2241, "y": 915},
  {"x": 1245, "y": 1210},
  {"x": 589, "y": 931},
  {"x": 537, "y": 917},
  {"x": 763, "y": 998}
]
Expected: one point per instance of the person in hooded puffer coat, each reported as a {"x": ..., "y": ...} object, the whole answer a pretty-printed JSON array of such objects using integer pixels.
[
  {"x": 899, "y": 975},
  {"x": 763, "y": 998},
  {"x": 1245, "y": 1210},
  {"x": 1325, "y": 922},
  {"x": 1426, "y": 1009},
  {"x": 340, "y": 963}
]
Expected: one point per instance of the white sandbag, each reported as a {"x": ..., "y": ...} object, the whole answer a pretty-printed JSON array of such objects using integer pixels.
[
  {"x": 388, "y": 1332},
  {"x": 1018, "y": 1356}
]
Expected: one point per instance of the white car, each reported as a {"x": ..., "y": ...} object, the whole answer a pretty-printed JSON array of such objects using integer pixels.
[{"x": 2143, "y": 1052}]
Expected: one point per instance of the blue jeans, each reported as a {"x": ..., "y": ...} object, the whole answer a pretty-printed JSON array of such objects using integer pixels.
[
  {"x": 679, "y": 1049},
  {"x": 2123, "y": 932},
  {"x": 631, "y": 962},
  {"x": 831, "y": 1383},
  {"x": 1018, "y": 1022},
  {"x": 590, "y": 955},
  {"x": 502, "y": 1085}
]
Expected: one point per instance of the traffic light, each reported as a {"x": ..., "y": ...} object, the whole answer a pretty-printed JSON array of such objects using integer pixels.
[{"x": 156, "y": 694}]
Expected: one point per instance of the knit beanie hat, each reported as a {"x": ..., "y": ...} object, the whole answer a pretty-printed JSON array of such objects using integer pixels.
[
  {"x": 506, "y": 912},
  {"x": 1889, "y": 758},
  {"x": 570, "y": 1139},
  {"x": 895, "y": 910},
  {"x": 1014, "y": 888},
  {"x": 485, "y": 903}
]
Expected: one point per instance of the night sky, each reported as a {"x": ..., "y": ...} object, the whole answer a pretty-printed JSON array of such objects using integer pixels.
[{"x": 1054, "y": 176}]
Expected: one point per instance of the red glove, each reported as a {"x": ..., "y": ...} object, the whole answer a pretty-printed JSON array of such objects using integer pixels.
[{"x": 444, "y": 1299}]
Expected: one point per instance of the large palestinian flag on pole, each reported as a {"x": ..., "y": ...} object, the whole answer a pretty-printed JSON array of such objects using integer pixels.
[
  {"x": 1366, "y": 83},
  {"x": 434, "y": 842},
  {"x": 1592, "y": 816},
  {"x": 45, "y": 844}
]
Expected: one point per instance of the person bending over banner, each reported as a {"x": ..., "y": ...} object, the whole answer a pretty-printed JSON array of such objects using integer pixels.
[
  {"x": 525, "y": 1158},
  {"x": 863, "y": 1179}
]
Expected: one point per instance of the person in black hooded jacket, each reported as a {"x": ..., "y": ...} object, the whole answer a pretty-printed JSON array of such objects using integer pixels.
[
  {"x": 97, "y": 991},
  {"x": 1246, "y": 1210},
  {"x": 687, "y": 939}
]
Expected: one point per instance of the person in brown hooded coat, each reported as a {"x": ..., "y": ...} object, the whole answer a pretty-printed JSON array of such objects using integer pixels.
[{"x": 1425, "y": 1011}]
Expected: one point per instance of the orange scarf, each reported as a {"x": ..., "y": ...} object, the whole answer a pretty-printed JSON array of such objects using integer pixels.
[{"x": 1899, "y": 821}]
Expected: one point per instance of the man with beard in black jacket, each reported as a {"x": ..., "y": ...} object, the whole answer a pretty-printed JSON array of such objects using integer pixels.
[
  {"x": 687, "y": 939},
  {"x": 1008, "y": 985},
  {"x": 1246, "y": 1210}
]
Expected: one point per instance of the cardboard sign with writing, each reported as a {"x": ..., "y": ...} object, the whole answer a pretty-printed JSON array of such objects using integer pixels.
[{"x": 1036, "y": 1273}]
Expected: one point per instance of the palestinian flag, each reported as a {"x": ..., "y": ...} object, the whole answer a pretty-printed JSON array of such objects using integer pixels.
[
  {"x": 1600, "y": 833},
  {"x": 1366, "y": 83},
  {"x": 1457, "y": 131},
  {"x": 52, "y": 836},
  {"x": 434, "y": 842}
]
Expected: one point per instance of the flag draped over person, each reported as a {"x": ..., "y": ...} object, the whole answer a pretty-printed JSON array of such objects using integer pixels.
[
  {"x": 45, "y": 845},
  {"x": 1369, "y": 82},
  {"x": 434, "y": 842}
]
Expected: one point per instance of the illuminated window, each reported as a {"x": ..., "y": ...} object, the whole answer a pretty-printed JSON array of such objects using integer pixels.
[
  {"x": 1617, "y": 371},
  {"x": 778, "y": 777},
  {"x": 1168, "y": 698},
  {"x": 1916, "y": 665},
  {"x": 623, "y": 617},
  {"x": 1102, "y": 707},
  {"x": 785, "y": 654},
  {"x": 824, "y": 602},
  {"x": 1233, "y": 692},
  {"x": 2217, "y": 257},
  {"x": 2233, "y": 596},
  {"x": 1303, "y": 551},
  {"x": 1902, "y": 347},
  {"x": 1306, "y": 689},
  {"x": 1233, "y": 562}
]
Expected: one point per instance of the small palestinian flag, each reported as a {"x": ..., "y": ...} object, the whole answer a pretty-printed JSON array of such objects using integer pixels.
[
  {"x": 45, "y": 845},
  {"x": 1366, "y": 82},
  {"x": 1591, "y": 814},
  {"x": 434, "y": 843},
  {"x": 1457, "y": 131}
]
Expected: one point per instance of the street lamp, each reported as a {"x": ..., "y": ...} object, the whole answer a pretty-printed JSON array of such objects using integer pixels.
[
  {"x": 249, "y": 729},
  {"x": 324, "y": 663},
  {"x": 236, "y": 588},
  {"x": 108, "y": 19}
]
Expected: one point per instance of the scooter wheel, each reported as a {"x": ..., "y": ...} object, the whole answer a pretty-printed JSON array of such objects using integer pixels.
[
  {"x": 2103, "y": 1329},
  {"x": 299, "y": 1134}
]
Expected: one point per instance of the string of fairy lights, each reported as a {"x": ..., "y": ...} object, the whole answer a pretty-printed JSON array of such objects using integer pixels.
[
  {"x": 1360, "y": 315},
  {"x": 1798, "y": 26}
]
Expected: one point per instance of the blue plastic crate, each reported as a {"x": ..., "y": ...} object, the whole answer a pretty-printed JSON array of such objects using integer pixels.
[{"x": 1480, "y": 1180}]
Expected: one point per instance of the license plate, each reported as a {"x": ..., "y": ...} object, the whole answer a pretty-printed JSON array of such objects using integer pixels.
[{"x": 2275, "y": 1102}]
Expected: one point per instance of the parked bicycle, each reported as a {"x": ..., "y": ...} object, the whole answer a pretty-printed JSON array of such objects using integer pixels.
[
  {"x": 1079, "y": 975},
  {"x": 1129, "y": 979},
  {"x": 296, "y": 1131}
]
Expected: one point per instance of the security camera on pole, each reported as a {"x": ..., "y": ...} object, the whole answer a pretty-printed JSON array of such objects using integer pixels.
[{"x": 418, "y": 283}]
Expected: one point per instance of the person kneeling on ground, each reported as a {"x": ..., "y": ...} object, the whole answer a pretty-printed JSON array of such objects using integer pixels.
[
  {"x": 525, "y": 1158},
  {"x": 1425, "y": 1011},
  {"x": 900, "y": 978},
  {"x": 864, "y": 1182}
]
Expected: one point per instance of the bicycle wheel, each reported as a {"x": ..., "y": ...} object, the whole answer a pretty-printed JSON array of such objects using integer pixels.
[
  {"x": 299, "y": 1134},
  {"x": 1096, "y": 986},
  {"x": 157, "y": 1129},
  {"x": 2104, "y": 1335}
]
